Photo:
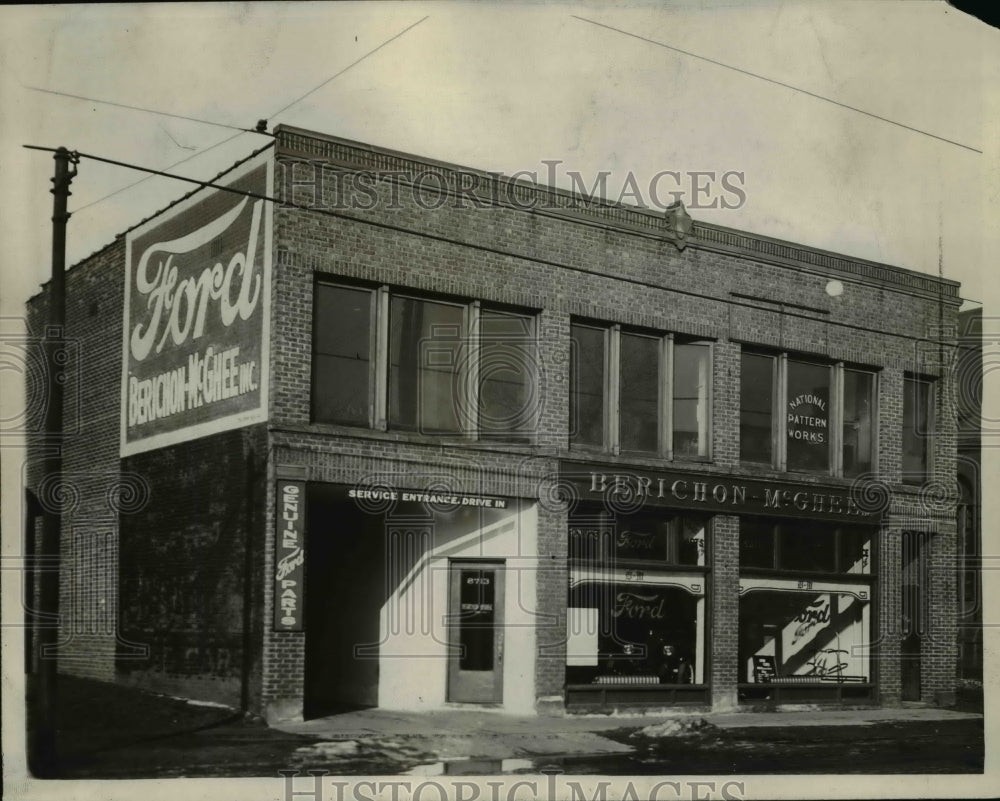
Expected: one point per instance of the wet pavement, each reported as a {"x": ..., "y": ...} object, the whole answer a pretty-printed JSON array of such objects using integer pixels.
[
  {"x": 150, "y": 736},
  {"x": 920, "y": 740}
]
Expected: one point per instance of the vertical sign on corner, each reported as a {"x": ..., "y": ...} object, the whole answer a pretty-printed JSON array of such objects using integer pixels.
[
  {"x": 195, "y": 356},
  {"x": 289, "y": 556}
]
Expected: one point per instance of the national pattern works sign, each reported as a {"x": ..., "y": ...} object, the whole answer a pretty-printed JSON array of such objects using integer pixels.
[{"x": 197, "y": 312}]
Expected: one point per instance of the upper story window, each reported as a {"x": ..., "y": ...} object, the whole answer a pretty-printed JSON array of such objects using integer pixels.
[
  {"x": 396, "y": 361},
  {"x": 640, "y": 392},
  {"x": 918, "y": 424},
  {"x": 806, "y": 416}
]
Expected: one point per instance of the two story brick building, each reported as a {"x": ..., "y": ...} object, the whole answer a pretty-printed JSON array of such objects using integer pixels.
[{"x": 353, "y": 427}]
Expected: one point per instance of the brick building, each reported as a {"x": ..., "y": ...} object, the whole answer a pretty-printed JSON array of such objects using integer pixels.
[{"x": 417, "y": 435}]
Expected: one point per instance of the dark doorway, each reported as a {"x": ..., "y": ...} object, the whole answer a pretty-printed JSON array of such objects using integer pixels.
[
  {"x": 914, "y": 613},
  {"x": 345, "y": 592}
]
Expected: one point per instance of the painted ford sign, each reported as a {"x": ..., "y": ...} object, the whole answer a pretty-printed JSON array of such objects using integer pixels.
[{"x": 196, "y": 316}]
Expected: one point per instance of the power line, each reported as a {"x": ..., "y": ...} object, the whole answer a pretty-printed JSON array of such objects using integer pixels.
[
  {"x": 168, "y": 167},
  {"x": 345, "y": 69},
  {"x": 141, "y": 108},
  {"x": 776, "y": 83},
  {"x": 450, "y": 240},
  {"x": 244, "y": 130}
]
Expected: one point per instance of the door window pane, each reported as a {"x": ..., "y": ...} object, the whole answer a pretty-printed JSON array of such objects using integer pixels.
[
  {"x": 639, "y": 393},
  {"x": 507, "y": 390},
  {"x": 424, "y": 361},
  {"x": 342, "y": 358},
  {"x": 587, "y": 386},
  {"x": 756, "y": 405},
  {"x": 916, "y": 429},
  {"x": 859, "y": 405},
  {"x": 692, "y": 376},
  {"x": 807, "y": 418},
  {"x": 475, "y": 619}
]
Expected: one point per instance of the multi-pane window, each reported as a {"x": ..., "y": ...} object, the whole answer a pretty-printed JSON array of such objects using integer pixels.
[
  {"x": 805, "y": 605},
  {"x": 917, "y": 427},
  {"x": 806, "y": 416},
  {"x": 396, "y": 361},
  {"x": 640, "y": 392},
  {"x": 636, "y": 609}
]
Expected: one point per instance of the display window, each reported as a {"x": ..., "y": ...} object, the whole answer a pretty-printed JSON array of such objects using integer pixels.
[
  {"x": 636, "y": 611},
  {"x": 805, "y": 610}
]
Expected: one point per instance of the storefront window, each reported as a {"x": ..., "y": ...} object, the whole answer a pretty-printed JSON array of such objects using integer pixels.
[
  {"x": 636, "y": 605},
  {"x": 807, "y": 548},
  {"x": 757, "y": 547},
  {"x": 661, "y": 539},
  {"x": 588, "y": 386},
  {"x": 804, "y": 615},
  {"x": 791, "y": 635},
  {"x": 342, "y": 355},
  {"x": 804, "y": 546},
  {"x": 634, "y": 633},
  {"x": 916, "y": 429},
  {"x": 855, "y": 550}
]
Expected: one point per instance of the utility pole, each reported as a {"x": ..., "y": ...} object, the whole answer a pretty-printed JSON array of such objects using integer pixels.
[{"x": 42, "y": 753}]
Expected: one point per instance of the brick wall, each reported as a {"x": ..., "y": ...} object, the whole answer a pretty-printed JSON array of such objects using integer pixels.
[
  {"x": 186, "y": 571},
  {"x": 195, "y": 504},
  {"x": 92, "y": 491},
  {"x": 725, "y": 610},
  {"x": 569, "y": 267}
]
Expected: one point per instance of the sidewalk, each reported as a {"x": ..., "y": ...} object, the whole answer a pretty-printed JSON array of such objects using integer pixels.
[
  {"x": 463, "y": 734},
  {"x": 109, "y": 731},
  {"x": 374, "y": 722}
]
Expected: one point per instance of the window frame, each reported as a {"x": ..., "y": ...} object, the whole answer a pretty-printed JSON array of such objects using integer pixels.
[
  {"x": 835, "y": 425},
  {"x": 372, "y": 351},
  {"x": 466, "y": 379},
  {"x": 778, "y": 528},
  {"x": 612, "y": 439},
  {"x": 928, "y": 437}
]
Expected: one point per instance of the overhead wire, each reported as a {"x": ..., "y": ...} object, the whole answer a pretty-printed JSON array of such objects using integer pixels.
[
  {"x": 776, "y": 83},
  {"x": 143, "y": 108},
  {"x": 440, "y": 238},
  {"x": 240, "y": 131}
]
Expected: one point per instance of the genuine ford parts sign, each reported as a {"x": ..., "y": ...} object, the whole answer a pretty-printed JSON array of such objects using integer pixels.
[{"x": 197, "y": 309}]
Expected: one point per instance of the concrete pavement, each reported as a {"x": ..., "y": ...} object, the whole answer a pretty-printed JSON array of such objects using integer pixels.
[{"x": 453, "y": 735}]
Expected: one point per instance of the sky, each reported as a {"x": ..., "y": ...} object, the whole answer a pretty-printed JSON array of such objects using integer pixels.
[{"x": 507, "y": 87}]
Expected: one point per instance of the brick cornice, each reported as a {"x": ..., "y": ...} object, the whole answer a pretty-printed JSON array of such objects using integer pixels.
[{"x": 550, "y": 201}]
